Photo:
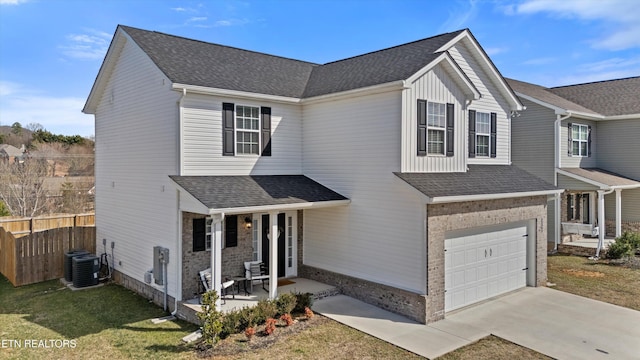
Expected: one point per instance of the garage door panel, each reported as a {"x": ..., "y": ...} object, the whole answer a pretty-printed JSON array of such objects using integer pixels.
[{"x": 483, "y": 265}]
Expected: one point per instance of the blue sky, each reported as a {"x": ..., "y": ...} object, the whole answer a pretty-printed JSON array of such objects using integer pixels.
[{"x": 51, "y": 50}]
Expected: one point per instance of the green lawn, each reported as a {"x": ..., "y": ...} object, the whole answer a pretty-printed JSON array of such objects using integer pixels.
[{"x": 108, "y": 322}]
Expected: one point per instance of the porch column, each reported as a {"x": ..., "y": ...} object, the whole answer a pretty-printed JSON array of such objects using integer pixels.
[
  {"x": 273, "y": 255},
  {"x": 618, "y": 212},
  {"x": 601, "y": 224},
  {"x": 216, "y": 256},
  {"x": 558, "y": 221}
]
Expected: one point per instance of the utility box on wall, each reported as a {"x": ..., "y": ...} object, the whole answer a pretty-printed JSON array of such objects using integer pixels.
[{"x": 160, "y": 259}]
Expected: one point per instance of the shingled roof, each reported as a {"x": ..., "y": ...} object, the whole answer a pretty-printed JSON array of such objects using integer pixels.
[
  {"x": 479, "y": 180},
  {"x": 228, "y": 192},
  {"x": 609, "y": 98},
  {"x": 602, "y": 98},
  {"x": 192, "y": 62}
]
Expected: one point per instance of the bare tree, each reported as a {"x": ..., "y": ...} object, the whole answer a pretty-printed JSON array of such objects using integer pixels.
[{"x": 21, "y": 186}]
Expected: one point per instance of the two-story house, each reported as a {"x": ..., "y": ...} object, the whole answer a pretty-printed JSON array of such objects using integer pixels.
[
  {"x": 387, "y": 174},
  {"x": 583, "y": 138}
]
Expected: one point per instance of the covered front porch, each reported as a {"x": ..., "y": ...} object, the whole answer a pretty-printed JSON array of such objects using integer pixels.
[
  {"x": 583, "y": 210},
  {"x": 230, "y": 221}
]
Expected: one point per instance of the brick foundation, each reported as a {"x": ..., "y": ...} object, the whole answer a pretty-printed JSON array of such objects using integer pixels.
[
  {"x": 145, "y": 290},
  {"x": 632, "y": 226},
  {"x": 396, "y": 300}
]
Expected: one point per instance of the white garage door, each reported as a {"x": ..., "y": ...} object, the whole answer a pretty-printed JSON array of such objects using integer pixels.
[{"x": 484, "y": 264}]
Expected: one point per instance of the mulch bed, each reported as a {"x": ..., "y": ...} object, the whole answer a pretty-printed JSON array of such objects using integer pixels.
[{"x": 238, "y": 343}]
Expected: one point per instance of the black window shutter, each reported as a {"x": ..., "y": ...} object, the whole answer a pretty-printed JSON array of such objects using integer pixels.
[
  {"x": 422, "y": 127},
  {"x": 570, "y": 138},
  {"x": 231, "y": 231},
  {"x": 450, "y": 120},
  {"x": 472, "y": 133},
  {"x": 199, "y": 233},
  {"x": 578, "y": 201},
  {"x": 228, "y": 146},
  {"x": 589, "y": 142},
  {"x": 569, "y": 207},
  {"x": 265, "y": 130},
  {"x": 494, "y": 130}
]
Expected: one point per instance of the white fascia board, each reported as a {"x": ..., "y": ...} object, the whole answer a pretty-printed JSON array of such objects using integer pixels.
[
  {"x": 463, "y": 198},
  {"x": 369, "y": 90},
  {"x": 115, "y": 49},
  {"x": 562, "y": 111},
  {"x": 505, "y": 88},
  {"x": 195, "y": 89},
  {"x": 461, "y": 78},
  {"x": 583, "y": 179},
  {"x": 281, "y": 207},
  {"x": 622, "y": 117}
]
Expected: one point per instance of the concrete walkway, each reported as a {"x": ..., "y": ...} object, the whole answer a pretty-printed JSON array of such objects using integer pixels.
[{"x": 555, "y": 323}]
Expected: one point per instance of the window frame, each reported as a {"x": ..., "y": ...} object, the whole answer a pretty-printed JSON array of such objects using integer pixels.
[
  {"x": 482, "y": 134},
  {"x": 435, "y": 128},
  {"x": 237, "y": 131},
  {"x": 208, "y": 233},
  {"x": 580, "y": 141}
]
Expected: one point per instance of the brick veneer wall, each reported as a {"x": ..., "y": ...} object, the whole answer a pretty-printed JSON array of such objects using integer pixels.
[
  {"x": 632, "y": 226},
  {"x": 146, "y": 290},
  {"x": 442, "y": 218},
  {"x": 233, "y": 258}
]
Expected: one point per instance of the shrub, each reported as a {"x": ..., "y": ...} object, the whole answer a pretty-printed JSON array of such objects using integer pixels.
[
  {"x": 308, "y": 313},
  {"x": 270, "y": 326},
  {"x": 288, "y": 320},
  {"x": 303, "y": 300},
  {"x": 625, "y": 245},
  {"x": 249, "y": 332},
  {"x": 264, "y": 310},
  {"x": 232, "y": 322},
  {"x": 247, "y": 318},
  {"x": 286, "y": 303},
  {"x": 211, "y": 318}
]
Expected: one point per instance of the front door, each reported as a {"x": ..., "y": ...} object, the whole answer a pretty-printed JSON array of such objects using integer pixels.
[{"x": 281, "y": 237}]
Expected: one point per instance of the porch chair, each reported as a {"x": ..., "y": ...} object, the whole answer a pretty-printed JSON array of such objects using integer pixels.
[
  {"x": 205, "y": 277},
  {"x": 255, "y": 270}
]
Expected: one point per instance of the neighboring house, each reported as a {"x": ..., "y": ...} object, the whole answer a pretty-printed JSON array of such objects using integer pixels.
[
  {"x": 387, "y": 174},
  {"x": 583, "y": 138},
  {"x": 10, "y": 153}
]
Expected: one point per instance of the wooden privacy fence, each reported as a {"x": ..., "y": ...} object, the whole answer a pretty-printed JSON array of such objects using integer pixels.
[
  {"x": 39, "y": 256},
  {"x": 20, "y": 226}
]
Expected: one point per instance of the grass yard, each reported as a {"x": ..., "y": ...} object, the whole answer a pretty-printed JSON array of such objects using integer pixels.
[{"x": 614, "y": 284}]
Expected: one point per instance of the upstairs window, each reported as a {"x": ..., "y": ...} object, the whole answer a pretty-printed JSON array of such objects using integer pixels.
[
  {"x": 435, "y": 128},
  {"x": 247, "y": 130},
  {"x": 483, "y": 133},
  {"x": 579, "y": 140}
]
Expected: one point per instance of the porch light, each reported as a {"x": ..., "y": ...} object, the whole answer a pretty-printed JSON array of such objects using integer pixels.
[{"x": 247, "y": 222}]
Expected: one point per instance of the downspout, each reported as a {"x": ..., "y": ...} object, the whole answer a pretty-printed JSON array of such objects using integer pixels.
[
  {"x": 602, "y": 228},
  {"x": 558, "y": 165}
]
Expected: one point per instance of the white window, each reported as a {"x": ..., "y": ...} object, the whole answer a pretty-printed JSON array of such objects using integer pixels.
[
  {"x": 436, "y": 127},
  {"x": 579, "y": 140},
  {"x": 247, "y": 130},
  {"x": 207, "y": 233},
  {"x": 483, "y": 133}
]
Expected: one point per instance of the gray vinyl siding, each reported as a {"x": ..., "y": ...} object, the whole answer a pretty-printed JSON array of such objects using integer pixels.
[
  {"x": 630, "y": 205},
  {"x": 532, "y": 144},
  {"x": 569, "y": 183},
  {"x": 353, "y": 147},
  {"x": 577, "y": 161},
  {"x": 202, "y": 139},
  {"x": 619, "y": 147},
  {"x": 136, "y": 146}
]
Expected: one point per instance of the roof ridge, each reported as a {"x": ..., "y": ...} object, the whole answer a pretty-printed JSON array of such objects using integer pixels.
[
  {"x": 595, "y": 82},
  {"x": 216, "y": 44},
  {"x": 395, "y": 46}
]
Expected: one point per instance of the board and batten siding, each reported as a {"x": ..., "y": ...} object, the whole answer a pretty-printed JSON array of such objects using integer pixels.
[
  {"x": 619, "y": 147},
  {"x": 532, "y": 145},
  {"x": 575, "y": 161},
  {"x": 136, "y": 146},
  {"x": 353, "y": 147},
  {"x": 491, "y": 101},
  {"x": 202, "y": 139},
  {"x": 434, "y": 86}
]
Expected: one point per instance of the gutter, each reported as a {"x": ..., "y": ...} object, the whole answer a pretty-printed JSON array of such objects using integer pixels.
[{"x": 461, "y": 198}]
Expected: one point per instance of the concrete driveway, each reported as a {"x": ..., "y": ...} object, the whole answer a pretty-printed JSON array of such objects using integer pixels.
[{"x": 555, "y": 323}]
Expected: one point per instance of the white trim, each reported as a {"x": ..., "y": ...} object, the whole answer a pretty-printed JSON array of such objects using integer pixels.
[
  {"x": 236, "y": 130},
  {"x": 445, "y": 56},
  {"x": 235, "y": 93},
  {"x": 463, "y": 198},
  {"x": 562, "y": 111},
  {"x": 281, "y": 208},
  {"x": 595, "y": 183}
]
